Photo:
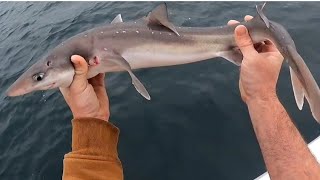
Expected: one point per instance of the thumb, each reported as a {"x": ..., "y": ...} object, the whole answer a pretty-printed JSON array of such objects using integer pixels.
[
  {"x": 244, "y": 41},
  {"x": 81, "y": 69}
]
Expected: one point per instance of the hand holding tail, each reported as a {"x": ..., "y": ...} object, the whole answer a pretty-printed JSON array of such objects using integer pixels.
[{"x": 260, "y": 67}]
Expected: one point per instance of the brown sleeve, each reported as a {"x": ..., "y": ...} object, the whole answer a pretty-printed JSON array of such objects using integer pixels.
[{"x": 94, "y": 151}]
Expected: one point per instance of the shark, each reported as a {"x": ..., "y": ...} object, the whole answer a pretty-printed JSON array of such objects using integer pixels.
[{"x": 154, "y": 41}]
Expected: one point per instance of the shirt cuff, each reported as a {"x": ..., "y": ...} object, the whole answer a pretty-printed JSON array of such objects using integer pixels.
[{"x": 91, "y": 136}]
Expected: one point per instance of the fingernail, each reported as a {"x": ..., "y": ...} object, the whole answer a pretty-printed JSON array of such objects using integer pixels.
[
  {"x": 73, "y": 60},
  {"x": 241, "y": 30},
  {"x": 73, "y": 57}
]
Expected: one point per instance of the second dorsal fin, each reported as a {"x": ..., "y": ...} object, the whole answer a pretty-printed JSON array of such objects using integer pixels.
[
  {"x": 261, "y": 14},
  {"x": 159, "y": 16}
]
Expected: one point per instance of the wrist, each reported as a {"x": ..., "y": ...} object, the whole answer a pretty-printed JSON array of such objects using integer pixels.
[
  {"x": 262, "y": 98},
  {"x": 97, "y": 115}
]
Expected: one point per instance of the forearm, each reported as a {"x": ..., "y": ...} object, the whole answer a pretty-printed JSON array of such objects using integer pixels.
[
  {"x": 94, "y": 151},
  {"x": 285, "y": 153}
]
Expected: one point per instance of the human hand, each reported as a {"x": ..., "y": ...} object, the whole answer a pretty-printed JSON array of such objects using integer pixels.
[
  {"x": 86, "y": 98},
  {"x": 260, "y": 66}
]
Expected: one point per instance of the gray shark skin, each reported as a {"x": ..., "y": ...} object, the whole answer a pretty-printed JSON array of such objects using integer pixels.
[{"x": 153, "y": 41}]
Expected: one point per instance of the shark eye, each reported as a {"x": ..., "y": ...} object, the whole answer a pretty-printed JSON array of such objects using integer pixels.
[
  {"x": 38, "y": 77},
  {"x": 49, "y": 63}
]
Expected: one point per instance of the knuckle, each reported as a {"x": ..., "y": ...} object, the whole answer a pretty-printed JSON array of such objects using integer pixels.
[
  {"x": 246, "y": 45},
  {"x": 245, "y": 42}
]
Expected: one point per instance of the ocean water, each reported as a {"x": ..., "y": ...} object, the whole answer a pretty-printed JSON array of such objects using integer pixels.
[{"x": 195, "y": 126}]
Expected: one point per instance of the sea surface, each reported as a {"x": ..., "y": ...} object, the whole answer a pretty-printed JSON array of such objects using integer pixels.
[{"x": 196, "y": 125}]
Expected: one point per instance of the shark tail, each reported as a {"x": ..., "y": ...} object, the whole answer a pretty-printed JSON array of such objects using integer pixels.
[
  {"x": 303, "y": 84},
  {"x": 298, "y": 90}
]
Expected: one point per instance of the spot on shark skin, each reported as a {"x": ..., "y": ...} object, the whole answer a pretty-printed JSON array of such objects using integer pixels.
[
  {"x": 135, "y": 22},
  {"x": 117, "y": 32},
  {"x": 85, "y": 35},
  {"x": 169, "y": 34},
  {"x": 124, "y": 31},
  {"x": 160, "y": 32},
  {"x": 101, "y": 32},
  {"x": 152, "y": 32},
  {"x": 105, "y": 49},
  {"x": 137, "y": 32}
]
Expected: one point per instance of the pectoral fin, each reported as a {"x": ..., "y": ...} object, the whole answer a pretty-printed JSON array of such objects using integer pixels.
[
  {"x": 233, "y": 56},
  {"x": 120, "y": 61},
  {"x": 139, "y": 86},
  {"x": 298, "y": 90}
]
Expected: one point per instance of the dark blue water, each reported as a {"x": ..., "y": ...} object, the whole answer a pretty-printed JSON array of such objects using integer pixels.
[{"x": 195, "y": 127}]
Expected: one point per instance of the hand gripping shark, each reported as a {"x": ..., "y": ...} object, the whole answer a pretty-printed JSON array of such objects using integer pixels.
[{"x": 153, "y": 41}]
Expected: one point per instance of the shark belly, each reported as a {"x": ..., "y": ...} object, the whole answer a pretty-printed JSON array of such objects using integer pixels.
[{"x": 168, "y": 55}]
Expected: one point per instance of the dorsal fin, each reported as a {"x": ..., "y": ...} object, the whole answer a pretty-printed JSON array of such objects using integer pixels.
[
  {"x": 159, "y": 16},
  {"x": 117, "y": 19},
  {"x": 261, "y": 14}
]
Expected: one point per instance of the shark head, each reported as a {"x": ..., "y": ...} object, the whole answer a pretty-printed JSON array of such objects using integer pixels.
[{"x": 50, "y": 72}]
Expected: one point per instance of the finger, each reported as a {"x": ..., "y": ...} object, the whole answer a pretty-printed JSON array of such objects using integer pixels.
[
  {"x": 98, "y": 80},
  {"x": 233, "y": 22},
  {"x": 258, "y": 45},
  {"x": 244, "y": 41},
  {"x": 258, "y": 48},
  {"x": 269, "y": 48},
  {"x": 102, "y": 97},
  {"x": 64, "y": 92},
  {"x": 267, "y": 42},
  {"x": 80, "y": 81},
  {"x": 98, "y": 85},
  {"x": 248, "y": 18},
  {"x": 100, "y": 92}
]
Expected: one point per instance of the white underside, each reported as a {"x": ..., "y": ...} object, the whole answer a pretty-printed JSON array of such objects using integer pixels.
[
  {"x": 144, "y": 57},
  {"x": 148, "y": 56}
]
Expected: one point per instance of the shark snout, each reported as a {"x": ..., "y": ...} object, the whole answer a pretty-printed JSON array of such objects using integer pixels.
[
  {"x": 31, "y": 81},
  {"x": 17, "y": 91},
  {"x": 21, "y": 86}
]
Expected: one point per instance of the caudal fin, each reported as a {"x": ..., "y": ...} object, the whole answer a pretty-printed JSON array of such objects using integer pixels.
[
  {"x": 298, "y": 90},
  {"x": 304, "y": 85}
]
